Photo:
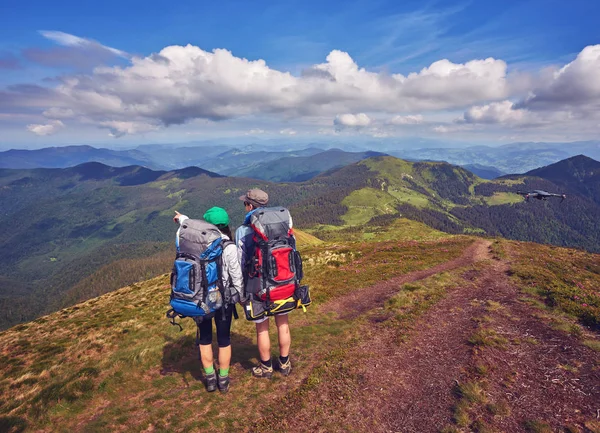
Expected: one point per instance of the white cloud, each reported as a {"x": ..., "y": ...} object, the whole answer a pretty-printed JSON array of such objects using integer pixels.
[
  {"x": 256, "y": 131},
  {"x": 360, "y": 119},
  {"x": 120, "y": 128},
  {"x": 569, "y": 96},
  {"x": 288, "y": 131},
  {"x": 406, "y": 120},
  {"x": 497, "y": 112},
  {"x": 69, "y": 40},
  {"x": 180, "y": 84},
  {"x": 451, "y": 128},
  {"x": 47, "y": 129},
  {"x": 183, "y": 83},
  {"x": 575, "y": 85}
]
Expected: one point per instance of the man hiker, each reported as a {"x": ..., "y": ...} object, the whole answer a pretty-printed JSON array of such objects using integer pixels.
[{"x": 245, "y": 239}]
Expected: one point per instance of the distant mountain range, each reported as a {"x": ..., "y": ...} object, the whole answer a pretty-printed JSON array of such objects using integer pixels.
[
  {"x": 483, "y": 171},
  {"x": 58, "y": 227},
  {"x": 69, "y": 156},
  {"x": 508, "y": 158},
  {"x": 277, "y": 163},
  {"x": 302, "y": 168}
]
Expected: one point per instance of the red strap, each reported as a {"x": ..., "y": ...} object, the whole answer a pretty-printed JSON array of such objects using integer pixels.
[{"x": 258, "y": 232}]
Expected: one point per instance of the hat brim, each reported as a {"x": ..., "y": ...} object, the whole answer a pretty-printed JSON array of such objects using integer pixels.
[{"x": 243, "y": 198}]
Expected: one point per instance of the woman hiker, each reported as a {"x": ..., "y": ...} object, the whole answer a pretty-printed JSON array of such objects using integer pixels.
[{"x": 231, "y": 276}]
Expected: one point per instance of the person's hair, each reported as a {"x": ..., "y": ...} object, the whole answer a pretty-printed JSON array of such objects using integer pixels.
[{"x": 225, "y": 230}]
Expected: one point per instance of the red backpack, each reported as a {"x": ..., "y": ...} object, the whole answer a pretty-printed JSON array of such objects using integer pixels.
[{"x": 275, "y": 270}]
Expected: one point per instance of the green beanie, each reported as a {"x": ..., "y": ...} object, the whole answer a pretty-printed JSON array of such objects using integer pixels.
[{"x": 217, "y": 216}]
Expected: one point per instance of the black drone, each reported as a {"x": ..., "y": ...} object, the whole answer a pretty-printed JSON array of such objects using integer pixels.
[{"x": 541, "y": 195}]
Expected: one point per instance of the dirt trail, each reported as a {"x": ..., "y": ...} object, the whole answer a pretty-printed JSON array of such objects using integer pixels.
[
  {"x": 544, "y": 374},
  {"x": 360, "y": 301},
  {"x": 385, "y": 385}
]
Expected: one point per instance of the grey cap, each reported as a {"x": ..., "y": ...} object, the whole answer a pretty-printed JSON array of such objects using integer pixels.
[{"x": 256, "y": 197}]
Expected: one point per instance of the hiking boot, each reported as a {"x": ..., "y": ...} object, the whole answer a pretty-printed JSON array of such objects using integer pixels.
[
  {"x": 262, "y": 370},
  {"x": 223, "y": 383},
  {"x": 285, "y": 368},
  {"x": 211, "y": 381}
]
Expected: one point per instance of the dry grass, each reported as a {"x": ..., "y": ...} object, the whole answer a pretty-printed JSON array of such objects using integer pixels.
[{"x": 114, "y": 363}]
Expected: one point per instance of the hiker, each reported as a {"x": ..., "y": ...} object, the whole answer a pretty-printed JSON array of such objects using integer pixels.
[
  {"x": 231, "y": 276},
  {"x": 255, "y": 199}
]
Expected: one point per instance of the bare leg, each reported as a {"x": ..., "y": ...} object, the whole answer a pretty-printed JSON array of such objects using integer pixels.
[
  {"x": 206, "y": 355},
  {"x": 224, "y": 357},
  {"x": 283, "y": 334},
  {"x": 262, "y": 340}
]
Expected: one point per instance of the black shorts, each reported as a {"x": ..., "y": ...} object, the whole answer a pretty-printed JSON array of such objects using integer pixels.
[{"x": 223, "y": 328}]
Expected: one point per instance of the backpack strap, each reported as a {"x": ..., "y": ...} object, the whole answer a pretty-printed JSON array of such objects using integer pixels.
[
  {"x": 171, "y": 314},
  {"x": 220, "y": 285},
  {"x": 224, "y": 244},
  {"x": 264, "y": 246}
]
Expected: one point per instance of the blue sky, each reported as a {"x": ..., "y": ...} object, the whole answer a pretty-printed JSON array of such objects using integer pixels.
[{"x": 54, "y": 95}]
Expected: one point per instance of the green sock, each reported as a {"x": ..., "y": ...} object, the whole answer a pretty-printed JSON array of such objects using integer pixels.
[
  {"x": 209, "y": 370},
  {"x": 223, "y": 372}
]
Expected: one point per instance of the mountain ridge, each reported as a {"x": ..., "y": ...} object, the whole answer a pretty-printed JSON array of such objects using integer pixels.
[{"x": 57, "y": 231}]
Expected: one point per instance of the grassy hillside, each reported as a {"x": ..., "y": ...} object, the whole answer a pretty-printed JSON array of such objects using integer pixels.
[
  {"x": 61, "y": 226},
  {"x": 114, "y": 363}
]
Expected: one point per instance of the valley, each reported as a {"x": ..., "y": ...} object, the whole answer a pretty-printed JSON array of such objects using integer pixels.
[{"x": 71, "y": 234}]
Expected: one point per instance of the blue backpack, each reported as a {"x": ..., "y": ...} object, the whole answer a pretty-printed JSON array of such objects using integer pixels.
[{"x": 196, "y": 285}]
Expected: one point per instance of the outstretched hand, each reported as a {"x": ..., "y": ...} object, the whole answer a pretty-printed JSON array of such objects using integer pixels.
[{"x": 176, "y": 217}]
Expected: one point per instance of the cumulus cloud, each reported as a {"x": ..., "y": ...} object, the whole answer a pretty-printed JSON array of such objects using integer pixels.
[
  {"x": 185, "y": 83},
  {"x": 181, "y": 83},
  {"x": 47, "y": 129},
  {"x": 576, "y": 85},
  {"x": 570, "y": 94},
  {"x": 406, "y": 120},
  {"x": 356, "y": 120},
  {"x": 497, "y": 112},
  {"x": 566, "y": 94},
  {"x": 288, "y": 131}
]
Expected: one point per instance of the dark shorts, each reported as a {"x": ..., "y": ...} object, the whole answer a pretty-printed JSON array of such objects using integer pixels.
[{"x": 223, "y": 328}]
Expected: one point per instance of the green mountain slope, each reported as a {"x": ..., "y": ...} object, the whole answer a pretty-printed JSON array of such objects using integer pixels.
[
  {"x": 60, "y": 226},
  {"x": 451, "y": 199},
  {"x": 579, "y": 173}
]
